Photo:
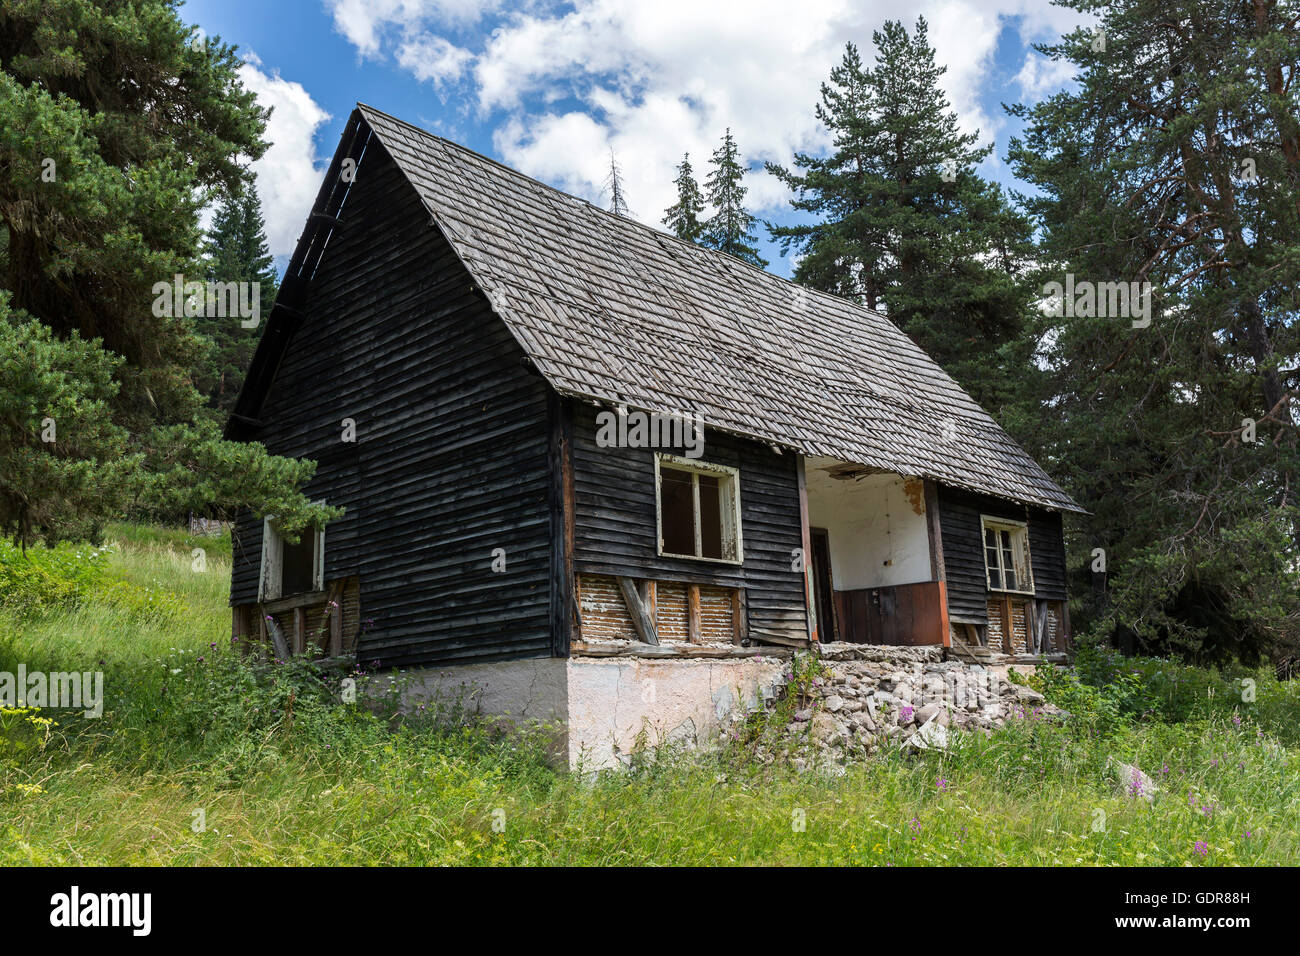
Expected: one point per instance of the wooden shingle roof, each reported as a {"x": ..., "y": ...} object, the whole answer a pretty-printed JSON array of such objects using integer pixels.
[{"x": 614, "y": 311}]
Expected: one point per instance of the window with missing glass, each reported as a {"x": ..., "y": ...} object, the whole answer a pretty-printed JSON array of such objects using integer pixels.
[
  {"x": 698, "y": 509},
  {"x": 291, "y": 567},
  {"x": 1006, "y": 555}
]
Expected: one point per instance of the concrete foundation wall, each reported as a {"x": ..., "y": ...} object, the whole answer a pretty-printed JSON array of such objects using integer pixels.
[
  {"x": 615, "y": 701},
  {"x": 601, "y": 709}
]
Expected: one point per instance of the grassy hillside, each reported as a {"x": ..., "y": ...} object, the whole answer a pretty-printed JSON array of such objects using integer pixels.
[{"x": 283, "y": 775}]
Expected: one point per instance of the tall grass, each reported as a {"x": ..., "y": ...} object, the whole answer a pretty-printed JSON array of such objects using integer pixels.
[{"x": 279, "y": 772}]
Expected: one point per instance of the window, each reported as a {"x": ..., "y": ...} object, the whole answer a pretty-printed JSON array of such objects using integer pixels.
[
  {"x": 698, "y": 510},
  {"x": 291, "y": 568},
  {"x": 1006, "y": 555}
]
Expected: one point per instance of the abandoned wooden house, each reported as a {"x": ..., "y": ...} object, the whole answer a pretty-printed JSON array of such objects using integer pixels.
[{"x": 561, "y": 435}]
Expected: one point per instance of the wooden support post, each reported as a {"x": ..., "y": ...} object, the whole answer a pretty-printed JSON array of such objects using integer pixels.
[
  {"x": 693, "y": 629},
  {"x": 938, "y": 571},
  {"x": 739, "y": 616},
  {"x": 1032, "y": 635},
  {"x": 239, "y": 628},
  {"x": 649, "y": 590},
  {"x": 809, "y": 600},
  {"x": 944, "y": 628},
  {"x": 336, "y": 619},
  {"x": 269, "y": 627},
  {"x": 644, "y": 626},
  {"x": 300, "y": 630},
  {"x": 1005, "y": 608}
]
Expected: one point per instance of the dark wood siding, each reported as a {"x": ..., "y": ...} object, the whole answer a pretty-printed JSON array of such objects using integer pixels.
[
  {"x": 450, "y": 460},
  {"x": 963, "y": 550},
  {"x": 1047, "y": 554},
  {"x": 615, "y": 523}
]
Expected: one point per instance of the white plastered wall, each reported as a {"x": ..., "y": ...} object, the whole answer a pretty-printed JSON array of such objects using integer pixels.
[
  {"x": 876, "y": 525},
  {"x": 599, "y": 710}
]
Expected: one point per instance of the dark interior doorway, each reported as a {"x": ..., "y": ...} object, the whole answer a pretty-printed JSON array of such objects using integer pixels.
[{"x": 823, "y": 596}]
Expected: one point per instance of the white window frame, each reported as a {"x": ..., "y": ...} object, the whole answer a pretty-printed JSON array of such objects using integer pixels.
[
  {"x": 270, "y": 582},
  {"x": 729, "y": 486},
  {"x": 1019, "y": 542}
]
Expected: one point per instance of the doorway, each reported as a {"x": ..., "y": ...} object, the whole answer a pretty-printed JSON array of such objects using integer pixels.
[{"x": 823, "y": 595}]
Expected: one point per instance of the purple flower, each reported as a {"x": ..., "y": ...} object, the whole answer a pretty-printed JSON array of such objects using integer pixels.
[
  {"x": 1135, "y": 787},
  {"x": 1202, "y": 848},
  {"x": 942, "y": 784}
]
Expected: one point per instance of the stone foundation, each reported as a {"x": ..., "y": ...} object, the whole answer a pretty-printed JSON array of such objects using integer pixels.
[
  {"x": 902, "y": 696},
  {"x": 603, "y": 710}
]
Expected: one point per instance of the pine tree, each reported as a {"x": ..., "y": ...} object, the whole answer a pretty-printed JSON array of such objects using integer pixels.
[
  {"x": 730, "y": 228},
  {"x": 683, "y": 216},
  {"x": 614, "y": 186},
  {"x": 1175, "y": 160},
  {"x": 904, "y": 223},
  {"x": 235, "y": 251},
  {"x": 118, "y": 121}
]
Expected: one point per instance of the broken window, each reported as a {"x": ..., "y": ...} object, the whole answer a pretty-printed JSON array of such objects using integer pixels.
[
  {"x": 699, "y": 509},
  {"x": 1006, "y": 555},
  {"x": 291, "y": 568}
]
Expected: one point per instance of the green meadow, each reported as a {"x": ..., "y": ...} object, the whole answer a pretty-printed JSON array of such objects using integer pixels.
[{"x": 202, "y": 757}]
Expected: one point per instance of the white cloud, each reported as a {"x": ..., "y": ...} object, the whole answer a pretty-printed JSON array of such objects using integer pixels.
[
  {"x": 289, "y": 172},
  {"x": 366, "y": 23},
  {"x": 1040, "y": 77},
  {"x": 653, "y": 80},
  {"x": 433, "y": 58}
]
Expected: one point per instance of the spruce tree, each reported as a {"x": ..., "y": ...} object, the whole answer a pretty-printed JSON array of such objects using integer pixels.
[
  {"x": 1175, "y": 160},
  {"x": 614, "y": 186},
  {"x": 903, "y": 221},
  {"x": 235, "y": 251},
  {"x": 683, "y": 216},
  {"x": 118, "y": 123},
  {"x": 730, "y": 228}
]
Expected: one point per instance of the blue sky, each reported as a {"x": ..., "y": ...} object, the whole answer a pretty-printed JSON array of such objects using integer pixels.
[{"x": 550, "y": 88}]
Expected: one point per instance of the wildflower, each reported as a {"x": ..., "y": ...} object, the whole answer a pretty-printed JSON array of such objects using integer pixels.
[
  {"x": 1202, "y": 848},
  {"x": 905, "y": 714},
  {"x": 1135, "y": 787},
  {"x": 942, "y": 784}
]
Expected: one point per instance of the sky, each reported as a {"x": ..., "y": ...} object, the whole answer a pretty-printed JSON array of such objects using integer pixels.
[{"x": 550, "y": 88}]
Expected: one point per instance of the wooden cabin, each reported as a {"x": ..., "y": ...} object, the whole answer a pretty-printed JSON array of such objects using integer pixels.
[{"x": 558, "y": 432}]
